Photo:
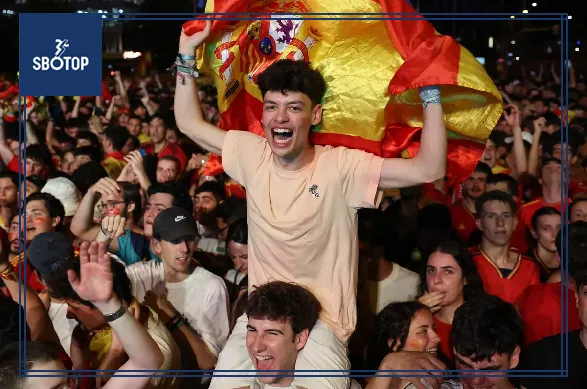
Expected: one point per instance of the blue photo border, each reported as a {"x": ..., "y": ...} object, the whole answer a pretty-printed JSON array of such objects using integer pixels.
[{"x": 563, "y": 18}]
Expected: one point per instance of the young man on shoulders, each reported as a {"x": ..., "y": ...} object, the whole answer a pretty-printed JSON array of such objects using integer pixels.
[{"x": 303, "y": 199}]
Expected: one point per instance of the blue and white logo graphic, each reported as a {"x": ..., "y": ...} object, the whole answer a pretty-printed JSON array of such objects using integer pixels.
[
  {"x": 58, "y": 62},
  {"x": 61, "y": 54}
]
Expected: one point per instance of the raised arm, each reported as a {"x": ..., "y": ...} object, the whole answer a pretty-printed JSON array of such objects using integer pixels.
[
  {"x": 82, "y": 224},
  {"x": 95, "y": 284},
  {"x": 429, "y": 164},
  {"x": 513, "y": 119},
  {"x": 5, "y": 153},
  {"x": 187, "y": 108}
]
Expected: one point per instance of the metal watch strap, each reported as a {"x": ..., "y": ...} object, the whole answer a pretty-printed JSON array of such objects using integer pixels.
[{"x": 117, "y": 314}]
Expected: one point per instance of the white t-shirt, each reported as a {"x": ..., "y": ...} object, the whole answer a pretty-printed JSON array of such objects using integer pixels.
[
  {"x": 63, "y": 326},
  {"x": 401, "y": 285},
  {"x": 169, "y": 349},
  {"x": 202, "y": 298}
]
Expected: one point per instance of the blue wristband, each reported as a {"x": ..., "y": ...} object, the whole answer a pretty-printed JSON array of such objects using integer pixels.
[{"x": 429, "y": 95}]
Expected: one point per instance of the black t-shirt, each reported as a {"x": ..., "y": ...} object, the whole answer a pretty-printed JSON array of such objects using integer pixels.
[{"x": 546, "y": 355}]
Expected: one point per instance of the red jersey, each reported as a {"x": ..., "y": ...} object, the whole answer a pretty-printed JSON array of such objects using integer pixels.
[
  {"x": 443, "y": 330},
  {"x": 175, "y": 150},
  {"x": 510, "y": 286},
  {"x": 540, "y": 308},
  {"x": 520, "y": 238},
  {"x": 463, "y": 221},
  {"x": 32, "y": 279}
]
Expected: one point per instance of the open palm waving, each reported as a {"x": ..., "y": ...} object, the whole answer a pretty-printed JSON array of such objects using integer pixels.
[{"x": 94, "y": 284}]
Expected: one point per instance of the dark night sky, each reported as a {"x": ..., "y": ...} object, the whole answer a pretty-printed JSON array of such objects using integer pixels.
[{"x": 161, "y": 36}]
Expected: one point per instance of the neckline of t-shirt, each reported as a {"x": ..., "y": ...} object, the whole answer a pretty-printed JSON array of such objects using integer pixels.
[
  {"x": 180, "y": 284},
  {"x": 318, "y": 151}
]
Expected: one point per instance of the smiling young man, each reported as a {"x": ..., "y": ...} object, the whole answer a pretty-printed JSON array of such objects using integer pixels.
[
  {"x": 280, "y": 318},
  {"x": 303, "y": 200}
]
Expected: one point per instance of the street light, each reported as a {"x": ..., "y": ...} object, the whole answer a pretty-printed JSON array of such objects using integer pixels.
[
  {"x": 576, "y": 49},
  {"x": 513, "y": 42},
  {"x": 570, "y": 17},
  {"x": 525, "y": 11},
  {"x": 534, "y": 4}
]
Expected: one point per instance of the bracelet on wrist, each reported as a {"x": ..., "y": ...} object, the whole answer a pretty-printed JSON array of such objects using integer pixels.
[
  {"x": 8, "y": 273},
  {"x": 110, "y": 317}
]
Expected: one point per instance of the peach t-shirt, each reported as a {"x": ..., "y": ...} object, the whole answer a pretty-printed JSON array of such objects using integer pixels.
[{"x": 303, "y": 224}]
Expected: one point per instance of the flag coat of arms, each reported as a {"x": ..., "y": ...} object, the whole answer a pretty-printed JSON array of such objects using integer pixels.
[{"x": 373, "y": 62}]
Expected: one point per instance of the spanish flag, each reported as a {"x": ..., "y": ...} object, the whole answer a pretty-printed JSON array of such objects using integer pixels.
[{"x": 372, "y": 64}]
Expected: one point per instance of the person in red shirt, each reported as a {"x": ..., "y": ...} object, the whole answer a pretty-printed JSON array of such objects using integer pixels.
[
  {"x": 504, "y": 271},
  {"x": 463, "y": 213},
  {"x": 540, "y": 304},
  {"x": 44, "y": 213},
  {"x": 449, "y": 279},
  {"x": 158, "y": 127},
  {"x": 550, "y": 179},
  {"x": 546, "y": 223}
]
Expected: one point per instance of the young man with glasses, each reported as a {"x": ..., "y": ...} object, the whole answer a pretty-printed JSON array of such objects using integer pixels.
[{"x": 129, "y": 246}]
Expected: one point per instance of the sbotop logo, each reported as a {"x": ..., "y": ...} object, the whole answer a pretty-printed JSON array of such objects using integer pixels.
[{"x": 59, "y": 61}]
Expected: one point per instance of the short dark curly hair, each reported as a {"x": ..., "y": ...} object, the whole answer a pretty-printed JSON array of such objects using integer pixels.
[
  {"x": 278, "y": 301},
  {"x": 287, "y": 75},
  {"x": 52, "y": 204},
  {"x": 486, "y": 326},
  {"x": 392, "y": 323},
  {"x": 181, "y": 196}
]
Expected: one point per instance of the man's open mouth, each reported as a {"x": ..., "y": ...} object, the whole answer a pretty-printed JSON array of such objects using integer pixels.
[{"x": 282, "y": 136}]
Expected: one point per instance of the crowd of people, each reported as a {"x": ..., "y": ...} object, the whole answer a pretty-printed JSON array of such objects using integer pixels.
[{"x": 141, "y": 256}]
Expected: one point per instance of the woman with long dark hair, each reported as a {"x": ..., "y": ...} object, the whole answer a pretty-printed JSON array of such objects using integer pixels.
[{"x": 449, "y": 279}]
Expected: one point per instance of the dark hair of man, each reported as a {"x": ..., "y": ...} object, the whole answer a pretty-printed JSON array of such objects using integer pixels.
[
  {"x": 94, "y": 153},
  {"x": 502, "y": 177},
  {"x": 60, "y": 288},
  {"x": 544, "y": 211},
  {"x": 88, "y": 135},
  {"x": 293, "y": 76},
  {"x": 494, "y": 195},
  {"x": 279, "y": 301},
  {"x": 238, "y": 232},
  {"x": 11, "y": 175},
  {"x": 181, "y": 196},
  {"x": 39, "y": 153},
  {"x": 10, "y": 358},
  {"x": 462, "y": 256},
  {"x": 576, "y": 201},
  {"x": 87, "y": 175},
  {"x": 486, "y": 326},
  {"x": 131, "y": 193},
  {"x": 392, "y": 324},
  {"x": 118, "y": 135},
  {"x": 216, "y": 188},
  {"x": 167, "y": 122},
  {"x": 53, "y": 205},
  {"x": 172, "y": 159},
  {"x": 482, "y": 167}
]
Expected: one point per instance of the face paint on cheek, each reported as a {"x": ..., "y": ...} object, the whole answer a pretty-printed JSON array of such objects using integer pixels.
[
  {"x": 12, "y": 236},
  {"x": 114, "y": 212},
  {"x": 39, "y": 221}
]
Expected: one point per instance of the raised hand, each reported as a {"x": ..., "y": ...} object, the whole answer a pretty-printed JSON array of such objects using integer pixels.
[
  {"x": 94, "y": 283},
  {"x": 135, "y": 159},
  {"x": 164, "y": 309},
  {"x": 188, "y": 44},
  {"x": 113, "y": 226},
  {"x": 106, "y": 187},
  {"x": 539, "y": 124},
  {"x": 416, "y": 361},
  {"x": 513, "y": 116}
]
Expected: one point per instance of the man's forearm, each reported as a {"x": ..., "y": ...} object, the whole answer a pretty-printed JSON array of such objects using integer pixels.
[
  {"x": 187, "y": 107},
  {"x": 432, "y": 153},
  {"x": 192, "y": 343},
  {"x": 83, "y": 220}
]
